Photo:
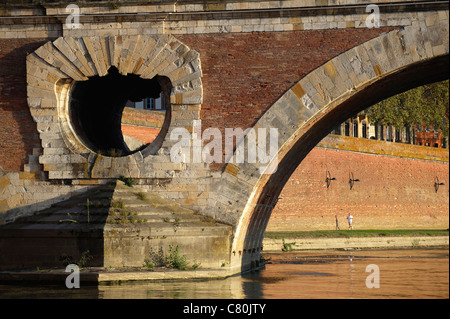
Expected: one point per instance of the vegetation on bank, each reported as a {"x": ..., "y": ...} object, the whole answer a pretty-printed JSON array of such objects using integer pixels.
[
  {"x": 358, "y": 233},
  {"x": 172, "y": 261}
]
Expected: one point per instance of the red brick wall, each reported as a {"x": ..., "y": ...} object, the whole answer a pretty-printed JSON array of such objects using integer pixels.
[
  {"x": 18, "y": 134},
  {"x": 245, "y": 73},
  {"x": 393, "y": 192}
]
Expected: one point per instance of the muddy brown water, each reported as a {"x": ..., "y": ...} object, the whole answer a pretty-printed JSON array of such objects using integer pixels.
[{"x": 402, "y": 273}]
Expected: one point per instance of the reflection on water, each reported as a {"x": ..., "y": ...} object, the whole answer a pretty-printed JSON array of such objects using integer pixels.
[
  {"x": 402, "y": 274},
  {"x": 412, "y": 273}
]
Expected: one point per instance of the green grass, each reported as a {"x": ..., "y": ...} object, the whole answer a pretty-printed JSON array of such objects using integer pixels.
[{"x": 357, "y": 233}]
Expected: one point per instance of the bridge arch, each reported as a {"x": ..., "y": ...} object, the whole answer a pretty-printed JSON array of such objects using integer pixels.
[{"x": 345, "y": 85}]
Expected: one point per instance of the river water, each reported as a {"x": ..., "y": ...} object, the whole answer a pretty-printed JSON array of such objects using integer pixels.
[{"x": 401, "y": 273}]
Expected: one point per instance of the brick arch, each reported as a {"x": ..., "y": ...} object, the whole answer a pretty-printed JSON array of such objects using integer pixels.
[
  {"x": 54, "y": 68},
  {"x": 345, "y": 85}
]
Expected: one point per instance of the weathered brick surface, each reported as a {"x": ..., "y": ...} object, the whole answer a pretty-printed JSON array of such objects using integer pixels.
[
  {"x": 393, "y": 192},
  {"x": 245, "y": 73},
  {"x": 18, "y": 134},
  {"x": 141, "y": 133}
]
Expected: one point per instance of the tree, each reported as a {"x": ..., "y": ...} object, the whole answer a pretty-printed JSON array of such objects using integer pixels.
[
  {"x": 436, "y": 105},
  {"x": 428, "y": 104}
]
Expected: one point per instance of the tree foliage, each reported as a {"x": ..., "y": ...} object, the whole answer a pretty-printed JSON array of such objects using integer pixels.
[{"x": 428, "y": 104}]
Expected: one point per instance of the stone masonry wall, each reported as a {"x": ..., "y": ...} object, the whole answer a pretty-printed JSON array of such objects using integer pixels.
[
  {"x": 18, "y": 132},
  {"x": 393, "y": 192},
  {"x": 245, "y": 69},
  {"x": 243, "y": 74}
]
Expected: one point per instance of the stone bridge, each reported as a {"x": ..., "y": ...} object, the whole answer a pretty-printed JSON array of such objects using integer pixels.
[{"x": 289, "y": 71}]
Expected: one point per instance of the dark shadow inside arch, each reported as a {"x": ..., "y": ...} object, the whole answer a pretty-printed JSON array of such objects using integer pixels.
[
  {"x": 96, "y": 108},
  {"x": 416, "y": 75}
]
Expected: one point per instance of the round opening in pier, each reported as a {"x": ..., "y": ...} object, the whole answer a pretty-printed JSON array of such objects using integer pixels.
[{"x": 117, "y": 115}]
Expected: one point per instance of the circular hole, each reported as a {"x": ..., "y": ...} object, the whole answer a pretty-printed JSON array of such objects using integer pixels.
[
  {"x": 117, "y": 115},
  {"x": 142, "y": 121}
]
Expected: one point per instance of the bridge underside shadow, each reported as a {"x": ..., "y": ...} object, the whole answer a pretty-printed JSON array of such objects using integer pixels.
[{"x": 59, "y": 235}]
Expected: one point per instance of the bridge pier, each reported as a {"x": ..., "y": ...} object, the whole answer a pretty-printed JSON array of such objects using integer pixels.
[{"x": 114, "y": 226}]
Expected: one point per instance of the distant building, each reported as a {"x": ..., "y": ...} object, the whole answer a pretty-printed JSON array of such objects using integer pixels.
[
  {"x": 430, "y": 135},
  {"x": 158, "y": 104},
  {"x": 360, "y": 127}
]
